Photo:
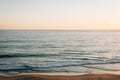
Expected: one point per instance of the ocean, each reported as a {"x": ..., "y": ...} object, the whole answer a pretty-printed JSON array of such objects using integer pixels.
[{"x": 57, "y": 51}]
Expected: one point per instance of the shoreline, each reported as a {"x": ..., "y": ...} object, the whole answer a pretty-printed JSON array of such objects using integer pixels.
[
  {"x": 59, "y": 73},
  {"x": 39, "y": 76}
]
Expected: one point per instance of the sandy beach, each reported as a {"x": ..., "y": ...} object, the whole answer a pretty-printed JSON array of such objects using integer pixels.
[{"x": 55, "y": 77}]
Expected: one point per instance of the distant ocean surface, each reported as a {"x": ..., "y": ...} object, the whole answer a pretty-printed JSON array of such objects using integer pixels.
[{"x": 37, "y": 51}]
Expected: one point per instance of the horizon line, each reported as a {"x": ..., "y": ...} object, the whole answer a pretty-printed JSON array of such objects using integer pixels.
[{"x": 56, "y": 30}]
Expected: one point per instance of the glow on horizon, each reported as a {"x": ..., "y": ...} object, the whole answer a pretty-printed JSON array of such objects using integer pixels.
[{"x": 60, "y": 14}]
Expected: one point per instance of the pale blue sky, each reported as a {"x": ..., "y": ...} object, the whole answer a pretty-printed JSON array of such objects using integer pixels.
[{"x": 60, "y": 14}]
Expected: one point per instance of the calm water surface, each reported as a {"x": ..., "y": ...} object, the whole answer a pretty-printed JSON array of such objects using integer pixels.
[{"x": 59, "y": 51}]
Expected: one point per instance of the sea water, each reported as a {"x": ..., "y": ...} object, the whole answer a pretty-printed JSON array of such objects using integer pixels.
[{"x": 44, "y": 51}]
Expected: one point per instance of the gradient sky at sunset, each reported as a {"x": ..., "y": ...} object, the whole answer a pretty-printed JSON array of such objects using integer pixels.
[{"x": 60, "y": 14}]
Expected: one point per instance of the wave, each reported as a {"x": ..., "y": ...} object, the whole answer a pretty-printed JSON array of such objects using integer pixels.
[
  {"x": 27, "y": 55},
  {"x": 53, "y": 68}
]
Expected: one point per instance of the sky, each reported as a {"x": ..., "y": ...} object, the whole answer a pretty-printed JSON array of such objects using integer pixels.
[{"x": 60, "y": 14}]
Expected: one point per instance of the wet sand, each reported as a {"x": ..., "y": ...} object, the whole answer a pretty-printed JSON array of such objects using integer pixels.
[{"x": 54, "y": 77}]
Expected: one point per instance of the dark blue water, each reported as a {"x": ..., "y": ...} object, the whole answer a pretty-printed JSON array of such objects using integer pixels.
[{"x": 59, "y": 51}]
